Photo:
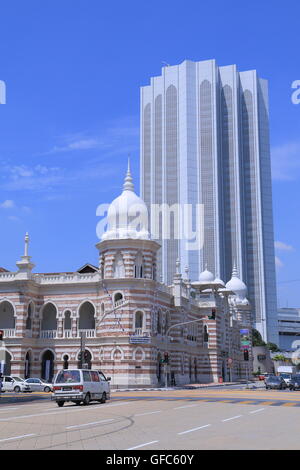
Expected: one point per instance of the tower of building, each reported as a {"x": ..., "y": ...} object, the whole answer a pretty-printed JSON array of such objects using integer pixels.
[{"x": 205, "y": 140}]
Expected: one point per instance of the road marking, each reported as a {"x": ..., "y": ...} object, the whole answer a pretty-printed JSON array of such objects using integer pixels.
[
  {"x": 17, "y": 437},
  {"x": 8, "y": 409},
  {"x": 257, "y": 411},
  {"x": 233, "y": 417},
  {"x": 149, "y": 413},
  {"x": 194, "y": 429},
  {"x": 89, "y": 424},
  {"x": 66, "y": 410},
  {"x": 142, "y": 445},
  {"x": 186, "y": 406}
]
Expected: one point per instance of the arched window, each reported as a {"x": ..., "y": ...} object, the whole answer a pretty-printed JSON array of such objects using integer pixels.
[
  {"x": 139, "y": 320},
  {"x": 47, "y": 366},
  {"x": 67, "y": 321},
  {"x": 30, "y": 311},
  {"x": 87, "y": 316},
  {"x": 49, "y": 321},
  {"x": 139, "y": 266},
  {"x": 118, "y": 297},
  {"x": 7, "y": 319},
  {"x": 119, "y": 270}
]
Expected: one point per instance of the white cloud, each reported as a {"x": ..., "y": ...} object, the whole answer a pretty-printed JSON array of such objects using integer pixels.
[
  {"x": 8, "y": 204},
  {"x": 283, "y": 246},
  {"x": 278, "y": 262},
  {"x": 286, "y": 161}
]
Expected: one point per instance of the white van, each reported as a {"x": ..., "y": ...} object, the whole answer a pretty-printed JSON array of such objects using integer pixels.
[{"x": 80, "y": 386}]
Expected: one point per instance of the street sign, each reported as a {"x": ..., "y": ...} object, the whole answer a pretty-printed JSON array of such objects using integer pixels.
[
  {"x": 139, "y": 339},
  {"x": 245, "y": 339}
]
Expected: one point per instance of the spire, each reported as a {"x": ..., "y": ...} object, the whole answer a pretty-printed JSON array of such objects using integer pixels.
[
  {"x": 26, "y": 244},
  {"x": 234, "y": 270},
  {"x": 128, "y": 184},
  {"x": 25, "y": 265}
]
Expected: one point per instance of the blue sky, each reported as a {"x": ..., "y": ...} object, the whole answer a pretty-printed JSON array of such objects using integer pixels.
[{"x": 73, "y": 70}]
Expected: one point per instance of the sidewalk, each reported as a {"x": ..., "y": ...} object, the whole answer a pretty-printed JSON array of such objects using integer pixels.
[{"x": 253, "y": 384}]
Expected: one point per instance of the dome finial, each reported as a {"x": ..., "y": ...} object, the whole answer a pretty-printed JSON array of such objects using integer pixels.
[
  {"x": 128, "y": 184},
  {"x": 234, "y": 270}
]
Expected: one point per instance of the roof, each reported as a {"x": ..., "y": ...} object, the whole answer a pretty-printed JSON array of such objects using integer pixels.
[{"x": 3, "y": 270}]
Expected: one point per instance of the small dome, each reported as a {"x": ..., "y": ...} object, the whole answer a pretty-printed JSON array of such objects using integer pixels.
[
  {"x": 127, "y": 216},
  {"x": 206, "y": 276},
  {"x": 219, "y": 281},
  {"x": 236, "y": 285}
]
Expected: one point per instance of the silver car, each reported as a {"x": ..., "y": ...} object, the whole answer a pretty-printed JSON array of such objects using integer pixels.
[{"x": 38, "y": 385}]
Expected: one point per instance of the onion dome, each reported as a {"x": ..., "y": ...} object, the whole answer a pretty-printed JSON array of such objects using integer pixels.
[
  {"x": 236, "y": 285},
  {"x": 206, "y": 276},
  {"x": 127, "y": 216}
]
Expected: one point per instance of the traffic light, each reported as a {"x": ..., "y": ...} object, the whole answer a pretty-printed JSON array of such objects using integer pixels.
[
  {"x": 86, "y": 355},
  {"x": 246, "y": 355},
  {"x": 166, "y": 358},
  {"x": 1, "y": 335}
]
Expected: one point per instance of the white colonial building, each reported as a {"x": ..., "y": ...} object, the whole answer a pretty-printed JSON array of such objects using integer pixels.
[{"x": 130, "y": 320}]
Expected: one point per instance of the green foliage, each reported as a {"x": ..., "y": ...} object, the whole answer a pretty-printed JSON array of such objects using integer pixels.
[
  {"x": 257, "y": 339},
  {"x": 281, "y": 357},
  {"x": 273, "y": 347}
]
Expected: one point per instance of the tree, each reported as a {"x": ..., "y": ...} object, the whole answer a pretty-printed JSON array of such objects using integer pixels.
[
  {"x": 273, "y": 347},
  {"x": 257, "y": 339}
]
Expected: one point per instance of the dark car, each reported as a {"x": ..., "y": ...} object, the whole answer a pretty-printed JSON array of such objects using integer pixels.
[
  {"x": 295, "y": 382},
  {"x": 275, "y": 381}
]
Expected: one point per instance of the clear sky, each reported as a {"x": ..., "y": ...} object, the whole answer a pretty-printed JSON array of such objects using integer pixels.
[{"x": 73, "y": 69}]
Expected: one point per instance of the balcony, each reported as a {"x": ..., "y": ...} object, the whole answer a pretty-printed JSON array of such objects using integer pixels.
[
  {"x": 140, "y": 332},
  {"x": 9, "y": 333},
  {"x": 67, "y": 334},
  {"x": 48, "y": 334},
  {"x": 88, "y": 333}
]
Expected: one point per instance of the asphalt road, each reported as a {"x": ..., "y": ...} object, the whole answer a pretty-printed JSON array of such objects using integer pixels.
[{"x": 181, "y": 420}]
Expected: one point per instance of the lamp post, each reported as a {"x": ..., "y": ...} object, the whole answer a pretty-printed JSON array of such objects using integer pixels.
[{"x": 167, "y": 333}]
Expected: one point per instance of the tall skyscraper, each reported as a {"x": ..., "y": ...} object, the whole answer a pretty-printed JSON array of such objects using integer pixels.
[{"x": 205, "y": 140}]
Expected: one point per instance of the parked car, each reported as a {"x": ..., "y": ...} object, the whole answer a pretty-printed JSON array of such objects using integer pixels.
[
  {"x": 38, "y": 385},
  {"x": 276, "y": 382},
  {"x": 295, "y": 382},
  {"x": 14, "y": 384},
  {"x": 80, "y": 386},
  {"x": 286, "y": 377}
]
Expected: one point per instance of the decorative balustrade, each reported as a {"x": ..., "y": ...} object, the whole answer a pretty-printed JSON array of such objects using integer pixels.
[
  {"x": 88, "y": 333},
  {"x": 48, "y": 334},
  {"x": 67, "y": 334},
  {"x": 120, "y": 302},
  {"x": 9, "y": 333}
]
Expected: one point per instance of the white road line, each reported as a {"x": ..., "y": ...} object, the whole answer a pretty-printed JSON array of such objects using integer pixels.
[
  {"x": 17, "y": 437},
  {"x": 68, "y": 410},
  {"x": 142, "y": 445},
  {"x": 194, "y": 429},
  {"x": 149, "y": 413},
  {"x": 186, "y": 406},
  {"x": 233, "y": 417},
  {"x": 9, "y": 409},
  {"x": 256, "y": 411},
  {"x": 89, "y": 424}
]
